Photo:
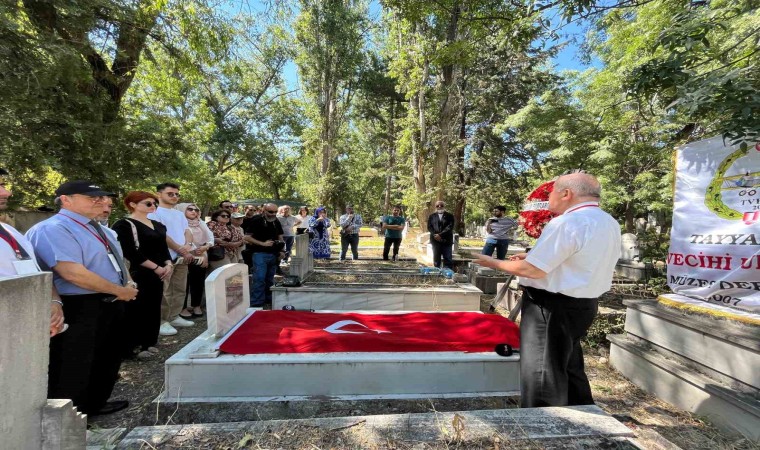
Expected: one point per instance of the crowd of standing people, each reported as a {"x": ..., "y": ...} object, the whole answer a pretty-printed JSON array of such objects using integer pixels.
[{"x": 116, "y": 290}]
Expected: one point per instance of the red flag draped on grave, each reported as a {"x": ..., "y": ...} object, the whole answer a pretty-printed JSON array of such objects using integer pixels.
[{"x": 306, "y": 332}]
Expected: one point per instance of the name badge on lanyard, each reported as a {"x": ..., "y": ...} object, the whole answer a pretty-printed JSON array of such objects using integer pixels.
[
  {"x": 114, "y": 263},
  {"x": 25, "y": 266}
]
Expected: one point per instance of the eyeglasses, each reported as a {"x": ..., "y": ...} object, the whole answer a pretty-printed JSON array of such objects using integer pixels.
[
  {"x": 150, "y": 204},
  {"x": 100, "y": 199},
  {"x": 224, "y": 215},
  {"x": 194, "y": 209},
  {"x": 173, "y": 194},
  {"x": 271, "y": 212}
]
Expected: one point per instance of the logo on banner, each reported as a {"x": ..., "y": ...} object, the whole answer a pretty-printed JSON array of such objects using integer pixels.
[
  {"x": 735, "y": 197},
  {"x": 714, "y": 253},
  {"x": 336, "y": 328}
]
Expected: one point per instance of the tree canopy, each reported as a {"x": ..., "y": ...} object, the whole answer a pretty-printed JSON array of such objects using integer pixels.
[{"x": 375, "y": 103}]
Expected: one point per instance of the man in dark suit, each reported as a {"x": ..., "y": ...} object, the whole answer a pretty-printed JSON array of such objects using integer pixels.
[{"x": 441, "y": 228}]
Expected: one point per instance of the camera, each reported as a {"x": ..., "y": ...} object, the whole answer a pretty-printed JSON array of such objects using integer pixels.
[{"x": 278, "y": 246}]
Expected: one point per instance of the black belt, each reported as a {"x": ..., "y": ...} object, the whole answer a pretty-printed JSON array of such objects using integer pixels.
[{"x": 542, "y": 297}]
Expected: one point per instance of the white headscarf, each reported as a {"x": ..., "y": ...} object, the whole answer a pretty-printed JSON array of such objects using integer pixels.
[{"x": 201, "y": 234}]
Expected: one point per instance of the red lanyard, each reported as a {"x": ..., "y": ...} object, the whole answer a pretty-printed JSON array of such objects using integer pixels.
[
  {"x": 7, "y": 237},
  {"x": 581, "y": 207},
  {"x": 102, "y": 241}
]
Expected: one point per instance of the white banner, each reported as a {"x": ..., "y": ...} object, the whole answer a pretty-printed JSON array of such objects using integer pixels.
[{"x": 715, "y": 242}]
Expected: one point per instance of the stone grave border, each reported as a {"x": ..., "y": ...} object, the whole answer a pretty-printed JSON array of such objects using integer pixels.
[{"x": 699, "y": 363}]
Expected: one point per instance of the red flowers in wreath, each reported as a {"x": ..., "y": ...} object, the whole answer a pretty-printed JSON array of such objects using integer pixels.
[{"x": 535, "y": 214}]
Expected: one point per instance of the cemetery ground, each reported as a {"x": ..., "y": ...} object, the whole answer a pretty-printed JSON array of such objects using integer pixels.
[{"x": 656, "y": 424}]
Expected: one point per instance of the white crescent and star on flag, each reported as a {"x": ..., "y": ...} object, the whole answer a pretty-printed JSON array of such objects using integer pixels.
[{"x": 336, "y": 328}]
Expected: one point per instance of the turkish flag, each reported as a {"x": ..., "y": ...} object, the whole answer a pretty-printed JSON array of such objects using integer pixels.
[{"x": 307, "y": 332}]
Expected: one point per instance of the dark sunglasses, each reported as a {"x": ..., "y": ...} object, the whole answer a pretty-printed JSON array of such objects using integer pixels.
[
  {"x": 173, "y": 194},
  {"x": 271, "y": 212},
  {"x": 149, "y": 204},
  {"x": 194, "y": 209},
  {"x": 439, "y": 206}
]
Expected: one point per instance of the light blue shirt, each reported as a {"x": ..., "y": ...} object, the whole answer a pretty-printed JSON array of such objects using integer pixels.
[
  {"x": 61, "y": 238},
  {"x": 354, "y": 224}
]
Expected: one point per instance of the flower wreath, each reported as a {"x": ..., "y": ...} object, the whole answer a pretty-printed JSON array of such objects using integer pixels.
[{"x": 535, "y": 214}]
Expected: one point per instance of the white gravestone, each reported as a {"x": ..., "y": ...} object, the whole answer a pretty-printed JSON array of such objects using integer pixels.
[
  {"x": 302, "y": 262},
  {"x": 227, "y": 297},
  {"x": 630, "y": 247}
]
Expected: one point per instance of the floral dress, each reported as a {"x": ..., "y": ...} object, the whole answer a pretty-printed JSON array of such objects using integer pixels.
[
  {"x": 319, "y": 246},
  {"x": 228, "y": 234}
]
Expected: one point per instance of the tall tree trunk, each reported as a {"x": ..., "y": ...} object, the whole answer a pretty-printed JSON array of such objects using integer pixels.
[
  {"x": 391, "y": 155},
  {"x": 630, "y": 225},
  {"x": 418, "y": 105},
  {"x": 464, "y": 174},
  {"x": 448, "y": 113}
]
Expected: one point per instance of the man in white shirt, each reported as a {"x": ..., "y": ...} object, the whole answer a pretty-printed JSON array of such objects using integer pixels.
[
  {"x": 17, "y": 257},
  {"x": 562, "y": 277},
  {"x": 180, "y": 239},
  {"x": 288, "y": 222}
]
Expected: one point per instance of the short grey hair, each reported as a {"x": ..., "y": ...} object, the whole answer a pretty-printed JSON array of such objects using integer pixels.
[
  {"x": 582, "y": 184},
  {"x": 58, "y": 202}
]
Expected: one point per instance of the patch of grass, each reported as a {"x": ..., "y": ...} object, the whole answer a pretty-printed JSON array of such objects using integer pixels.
[{"x": 363, "y": 241}]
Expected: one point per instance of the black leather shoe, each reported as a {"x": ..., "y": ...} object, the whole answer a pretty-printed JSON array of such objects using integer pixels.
[{"x": 110, "y": 407}]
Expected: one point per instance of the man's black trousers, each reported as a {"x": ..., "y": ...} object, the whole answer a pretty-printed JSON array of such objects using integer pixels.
[
  {"x": 345, "y": 241},
  {"x": 551, "y": 359},
  {"x": 442, "y": 250},
  {"x": 395, "y": 242},
  {"x": 85, "y": 359}
]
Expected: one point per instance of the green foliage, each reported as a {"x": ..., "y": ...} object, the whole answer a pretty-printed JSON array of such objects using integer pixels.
[
  {"x": 603, "y": 325},
  {"x": 704, "y": 64},
  {"x": 436, "y": 98},
  {"x": 653, "y": 245},
  {"x": 330, "y": 54}
]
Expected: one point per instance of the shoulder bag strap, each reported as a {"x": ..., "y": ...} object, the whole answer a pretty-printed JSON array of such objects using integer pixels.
[{"x": 134, "y": 234}]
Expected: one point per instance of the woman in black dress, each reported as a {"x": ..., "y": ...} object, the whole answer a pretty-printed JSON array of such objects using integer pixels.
[{"x": 144, "y": 244}]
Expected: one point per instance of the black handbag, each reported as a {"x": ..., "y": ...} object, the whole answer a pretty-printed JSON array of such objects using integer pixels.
[{"x": 216, "y": 253}]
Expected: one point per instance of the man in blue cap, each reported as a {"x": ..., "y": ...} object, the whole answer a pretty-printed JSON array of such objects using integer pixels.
[{"x": 89, "y": 273}]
